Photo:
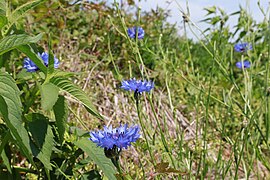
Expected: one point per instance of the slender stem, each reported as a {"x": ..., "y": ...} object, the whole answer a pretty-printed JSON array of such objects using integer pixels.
[
  {"x": 136, "y": 96},
  {"x": 161, "y": 132},
  {"x": 115, "y": 161}
]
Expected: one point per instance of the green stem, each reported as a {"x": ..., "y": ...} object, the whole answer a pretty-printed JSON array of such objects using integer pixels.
[
  {"x": 136, "y": 96},
  {"x": 115, "y": 161}
]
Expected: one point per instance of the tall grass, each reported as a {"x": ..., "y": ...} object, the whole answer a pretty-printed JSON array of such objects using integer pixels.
[{"x": 205, "y": 119}]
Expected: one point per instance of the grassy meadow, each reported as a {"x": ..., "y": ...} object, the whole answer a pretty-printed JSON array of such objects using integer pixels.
[{"x": 205, "y": 118}]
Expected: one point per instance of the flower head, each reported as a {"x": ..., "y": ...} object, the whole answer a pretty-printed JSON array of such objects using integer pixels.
[
  {"x": 32, "y": 67},
  {"x": 242, "y": 47},
  {"x": 132, "y": 32},
  {"x": 243, "y": 64},
  {"x": 137, "y": 85},
  {"x": 121, "y": 137}
]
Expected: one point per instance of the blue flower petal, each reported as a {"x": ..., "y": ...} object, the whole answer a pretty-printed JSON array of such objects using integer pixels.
[
  {"x": 121, "y": 137},
  {"x": 242, "y": 47},
  {"x": 32, "y": 67},
  {"x": 244, "y": 64},
  {"x": 137, "y": 85},
  {"x": 132, "y": 32}
]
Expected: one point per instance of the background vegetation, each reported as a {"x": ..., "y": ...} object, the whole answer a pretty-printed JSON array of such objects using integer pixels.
[{"x": 205, "y": 118}]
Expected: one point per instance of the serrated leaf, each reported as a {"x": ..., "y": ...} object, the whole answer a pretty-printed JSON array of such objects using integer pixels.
[
  {"x": 42, "y": 138},
  {"x": 13, "y": 41},
  {"x": 49, "y": 95},
  {"x": 18, "y": 13},
  {"x": 58, "y": 73},
  {"x": 11, "y": 110},
  {"x": 29, "y": 52},
  {"x": 98, "y": 156},
  {"x": 76, "y": 92},
  {"x": 60, "y": 110}
]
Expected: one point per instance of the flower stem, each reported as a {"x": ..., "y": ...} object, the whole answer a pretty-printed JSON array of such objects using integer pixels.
[
  {"x": 115, "y": 161},
  {"x": 136, "y": 96}
]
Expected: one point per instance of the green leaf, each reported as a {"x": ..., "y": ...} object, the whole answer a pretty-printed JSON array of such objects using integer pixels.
[
  {"x": 49, "y": 95},
  {"x": 42, "y": 138},
  {"x": 61, "y": 114},
  {"x": 6, "y": 161},
  {"x": 3, "y": 21},
  {"x": 76, "y": 92},
  {"x": 29, "y": 52},
  {"x": 18, "y": 13},
  {"x": 98, "y": 156},
  {"x": 5, "y": 138},
  {"x": 13, "y": 41},
  {"x": 3, "y": 7},
  {"x": 211, "y": 9},
  {"x": 11, "y": 110},
  {"x": 93, "y": 174}
]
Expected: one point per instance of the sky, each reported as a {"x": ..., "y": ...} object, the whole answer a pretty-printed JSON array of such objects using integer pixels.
[{"x": 197, "y": 13}]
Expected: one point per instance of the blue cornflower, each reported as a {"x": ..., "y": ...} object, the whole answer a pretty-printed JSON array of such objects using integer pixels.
[
  {"x": 138, "y": 86},
  {"x": 242, "y": 47},
  {"x": 120, "y": 137},
  {"x": 32, "y": 67},
  {"x": 132, "y": 32},
  {"x": 243, "y": 64}
]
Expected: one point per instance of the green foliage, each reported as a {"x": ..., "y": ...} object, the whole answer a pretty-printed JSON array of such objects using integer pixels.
[
  {"x": 11, "y": 111},
  {"x": 41, "y": 138},
  {"x": 205, "y": 118},
  {"x": 13, "y": 41},
  {"x": 60, "y": 110},
  {"x": 49, "y": 95},
  {"x": 97, "y": 155},
  {"x": 14, "y": 16},
  {"x": 76, "y": 92},
  {"x": 26, "y": 99}
]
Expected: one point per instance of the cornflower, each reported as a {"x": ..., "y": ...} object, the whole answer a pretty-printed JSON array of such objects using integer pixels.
[
  {"x": 242, "y": 47},
  {"x": 32, "y": 67},
  {"x": 132, "y": 32},
  {"x": 243, "y": 64}
]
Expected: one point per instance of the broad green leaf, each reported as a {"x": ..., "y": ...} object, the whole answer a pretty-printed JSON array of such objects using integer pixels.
[
  {"x": 18, "y": 13},
  {"x": 42, "y": 138},
  {"x": 61, "y": 114},
  {"x": 76, "y": 92},
  {"x": 98, "y": 156},
  {"x": 10, "y": 42},
  {"x": 49, "y": 95},
  {"x": 6, "y": 161},
  {"x": 58, "y": 73},
  {"x": 11, "y": 110},
  {"x": 29, "y": 52},
  {"x": 5, "y": 137}
]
